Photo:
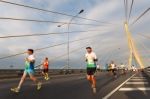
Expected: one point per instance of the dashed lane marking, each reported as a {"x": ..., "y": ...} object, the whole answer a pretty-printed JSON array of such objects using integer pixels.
[
  {"x": 137, "y": 83},
  {"x": 135, "y": 89}
]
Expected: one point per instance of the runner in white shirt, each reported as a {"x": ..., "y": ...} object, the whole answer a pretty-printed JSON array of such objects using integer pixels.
[
  {"x": 123, "y": 68},
  {"x": 113, "y": 69},
  {"x": 29, "y": 70},
  {"x": 91, "y": 67}
]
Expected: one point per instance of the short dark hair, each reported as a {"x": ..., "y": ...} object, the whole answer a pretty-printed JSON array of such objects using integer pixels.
[
  {"x": 31, "y": 50},
  {"x": 88, "y": 48}
]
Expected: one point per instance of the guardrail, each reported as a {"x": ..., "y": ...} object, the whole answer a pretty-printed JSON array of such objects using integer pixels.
[
  {"x": 5, "y": 73},
  {"x": 15, "y": 73}
]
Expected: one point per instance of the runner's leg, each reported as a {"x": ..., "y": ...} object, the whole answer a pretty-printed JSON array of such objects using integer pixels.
[
  {"x": 43, "y": 74},
  {"x": 35, "y": 80},
  {"x": 93, "y": 81},
  {"x": 22, "y": 79},
  {"x": 89, "y": 78},
  {"x": 17, "y": 89},
  {"x": 93, "y": 84}
]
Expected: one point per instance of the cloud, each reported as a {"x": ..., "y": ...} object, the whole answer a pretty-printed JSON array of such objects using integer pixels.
[{"x": 109, "y": 38}]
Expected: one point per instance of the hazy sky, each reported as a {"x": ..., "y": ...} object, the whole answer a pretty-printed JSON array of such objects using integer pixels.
[{"x": 109, "y": 37}]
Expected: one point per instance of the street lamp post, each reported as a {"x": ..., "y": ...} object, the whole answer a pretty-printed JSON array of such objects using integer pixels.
[{"x": 68, "y": 36}]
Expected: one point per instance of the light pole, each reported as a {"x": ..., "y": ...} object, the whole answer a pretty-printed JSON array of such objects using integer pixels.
[{"x": 68, "y": 36}]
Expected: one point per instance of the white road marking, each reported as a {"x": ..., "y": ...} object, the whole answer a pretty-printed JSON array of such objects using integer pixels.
[
  {"x": 137, "y": 79},
  {"x": 137, "y": 83},
  {"x": 116, "y": 89},
  {"x": 135, "y": 89}
]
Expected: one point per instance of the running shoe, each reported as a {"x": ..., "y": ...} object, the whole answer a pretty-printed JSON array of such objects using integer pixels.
[
  {"x": 94, "y": 90},
  {"x": 39, "y": 85},
  {"x": 47, "y": 78},
  {"x": 16, "y": 90}
]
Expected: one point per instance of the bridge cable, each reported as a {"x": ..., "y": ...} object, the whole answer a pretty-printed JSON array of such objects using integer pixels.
[
  {"x": 45, "y": 21},
  {"x": 140, "y": 16},
  {"x": 131, "y": 6},
  {"x": 51, "y": 46},
  {"x": 44, "y": 34},
  {"x": 44, "y": 10}
]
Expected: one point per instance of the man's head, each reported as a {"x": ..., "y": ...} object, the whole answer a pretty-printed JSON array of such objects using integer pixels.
[
  {"x": 46, "y": 58},
  {"x": 89, "y": 49},
  {"x": 30, "y": 51}
]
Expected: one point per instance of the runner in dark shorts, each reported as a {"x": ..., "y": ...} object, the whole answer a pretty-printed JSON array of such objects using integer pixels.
[
  {"x": 45, "y": 68},
  {"x": 113, "y": 69},
  {"x": 91, "y": 67}
]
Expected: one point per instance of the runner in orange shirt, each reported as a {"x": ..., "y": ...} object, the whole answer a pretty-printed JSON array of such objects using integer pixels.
[{"x": 45, "y": 66}]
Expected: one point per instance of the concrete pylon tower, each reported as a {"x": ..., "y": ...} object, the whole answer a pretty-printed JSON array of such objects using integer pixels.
[{"x": 132, "y": 48}]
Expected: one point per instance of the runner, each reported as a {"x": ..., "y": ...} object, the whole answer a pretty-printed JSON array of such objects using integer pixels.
[
  {"x": 113, "y": 69},
  {"x": 45, "y": 66},
  {"x": 91, "y": 67},
  {"x": 122, "y": 67},
  {"x": 29, "y": 69}
]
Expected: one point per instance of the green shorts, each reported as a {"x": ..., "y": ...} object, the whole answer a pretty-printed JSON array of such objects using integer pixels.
[{"x": 29, "y": 71}]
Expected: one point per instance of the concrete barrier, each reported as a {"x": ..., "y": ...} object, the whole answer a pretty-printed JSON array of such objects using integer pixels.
[{"x": 5, "y": 73}]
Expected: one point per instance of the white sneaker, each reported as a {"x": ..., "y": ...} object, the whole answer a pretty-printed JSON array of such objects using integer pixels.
[
  {"x": 16, "y": 90},
  {"x": 94, "y": 90},
  {"x": 47, "y": 78},
  {"x": 39, "y": 85}
]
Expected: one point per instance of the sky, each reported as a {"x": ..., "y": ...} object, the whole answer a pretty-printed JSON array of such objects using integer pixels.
[{"x": 108, "y": 41}]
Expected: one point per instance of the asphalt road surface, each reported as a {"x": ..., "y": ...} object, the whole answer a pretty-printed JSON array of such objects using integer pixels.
[{"x": 129, "y": 86}]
